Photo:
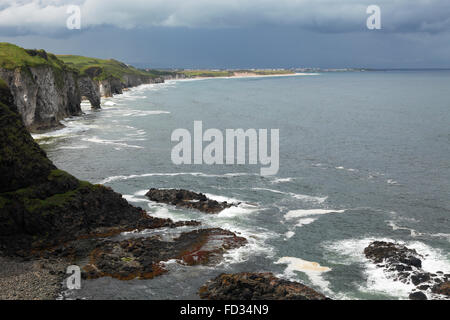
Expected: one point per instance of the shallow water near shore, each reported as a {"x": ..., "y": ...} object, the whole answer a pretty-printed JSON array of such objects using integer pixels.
[{"x": 363, "y": 157}]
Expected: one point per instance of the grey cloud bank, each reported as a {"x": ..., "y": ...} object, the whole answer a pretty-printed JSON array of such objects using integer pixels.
[
  {"x": 238, "y": 34},
  {"x": 317, "y": 15}
]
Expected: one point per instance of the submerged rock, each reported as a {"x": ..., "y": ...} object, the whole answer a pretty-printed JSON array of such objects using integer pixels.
[
  {"x": 256, "y": 286},
  {"x": 187, "y": 199},
  {"x": 142, "y": 257}
]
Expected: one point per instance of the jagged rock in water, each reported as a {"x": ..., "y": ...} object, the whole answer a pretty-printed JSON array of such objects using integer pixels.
[
  {"x": 256, "y": 286},
  {"x": 187, "y": 199},
  {"x": 403, "y": 264},
  {"x": 379, "y": 251}
]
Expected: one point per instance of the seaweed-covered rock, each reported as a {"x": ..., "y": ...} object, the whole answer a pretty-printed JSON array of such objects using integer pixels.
[
  {"x": 142, "y": 257},
  {"x": 256, "y": 286},
  {"x": 187, "y": 199}
]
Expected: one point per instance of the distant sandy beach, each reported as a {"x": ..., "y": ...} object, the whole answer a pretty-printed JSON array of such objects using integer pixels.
[{"x": 249, "y": 75}]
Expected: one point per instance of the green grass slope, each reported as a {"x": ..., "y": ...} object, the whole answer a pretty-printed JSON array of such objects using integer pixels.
[
  {"x": 101, "y": 69},
  {"x": 12, "y": 57}
]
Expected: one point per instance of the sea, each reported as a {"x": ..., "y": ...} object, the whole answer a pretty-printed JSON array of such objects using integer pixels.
[{"x": 363, "y": 156}]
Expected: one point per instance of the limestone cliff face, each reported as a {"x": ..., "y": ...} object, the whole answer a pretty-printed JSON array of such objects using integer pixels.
[
  {"x": 109, "y": 87},
  {"x": 113, "y": 86},
  {"x": 43, "y": 95},
  {"x": 90, "y": 90},
  {"x": 94, "y": 90}
]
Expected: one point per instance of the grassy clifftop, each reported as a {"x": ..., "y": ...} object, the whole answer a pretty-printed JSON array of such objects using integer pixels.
[
  {"x": 101, "y": 69},
  {"x": 12, "y": 57}
]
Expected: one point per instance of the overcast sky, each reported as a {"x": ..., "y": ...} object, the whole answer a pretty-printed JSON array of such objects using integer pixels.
[{"x": 237, "y": 33}]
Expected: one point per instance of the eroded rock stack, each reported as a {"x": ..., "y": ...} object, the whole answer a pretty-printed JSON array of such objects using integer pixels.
[{"x": 187, "y": 199}]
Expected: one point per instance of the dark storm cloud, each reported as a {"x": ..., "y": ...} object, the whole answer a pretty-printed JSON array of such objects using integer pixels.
[{"x": 333, "y": 16}]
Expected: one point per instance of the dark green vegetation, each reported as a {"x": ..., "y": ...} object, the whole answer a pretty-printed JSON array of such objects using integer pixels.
[
  {"x": 40, "y": 205},
  {"x": 22, "y": 162},
  {"x": 100, "y": 69}
]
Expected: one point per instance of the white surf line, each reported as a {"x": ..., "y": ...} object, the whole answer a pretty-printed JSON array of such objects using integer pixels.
[
  {"x": 197, "y": 174},
  {"x": 296, "y": 195},
  {"x": 304, "y": 217},
  {"x": 293, "y": 214},
  {"x": 117, "y": 143}
]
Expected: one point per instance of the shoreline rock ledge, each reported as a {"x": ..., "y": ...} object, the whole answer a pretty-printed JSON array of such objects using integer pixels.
[
  {"x": 256, "y": 286},
  {"x": 188, "y": 199}
]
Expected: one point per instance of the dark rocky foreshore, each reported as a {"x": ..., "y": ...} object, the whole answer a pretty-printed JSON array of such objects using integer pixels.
[
  {"x": 256, "y": 286},
  {"x": 142, "y": 257},
  {"x": 188, "y": 199},
  {"x": 49, "y": 220},
  {"x": 405, "y": 265}
]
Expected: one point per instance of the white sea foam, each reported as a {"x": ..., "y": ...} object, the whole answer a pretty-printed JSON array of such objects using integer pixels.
[
  {"x": 137, "y": 176},
  {"x": 71, "y": 128},
  {"x": 74, "y": 147},
  {"x": 282, "y": 180},
  {"x": 117, "y": 143},
  {"x": 289, "y": 234},
  {"x": 294, "y": 214},
  {"x": 237, "y": 211},
  {"x": 222, "y": 198},
  {"x": 309, "y": 198},
  {"x": 141, "y": 113},
  {"x": 134, "y": 198},
  {"x": 392, "y": 182},
  {"x": 141, "y": 192},
  {"x": 313, "y": 270},
  {"x": 305, "y": 221},
  {"x": 348, "y": 169},
  {"x": 302, "y": 197},
  {"x": 256, "y": 242}
]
